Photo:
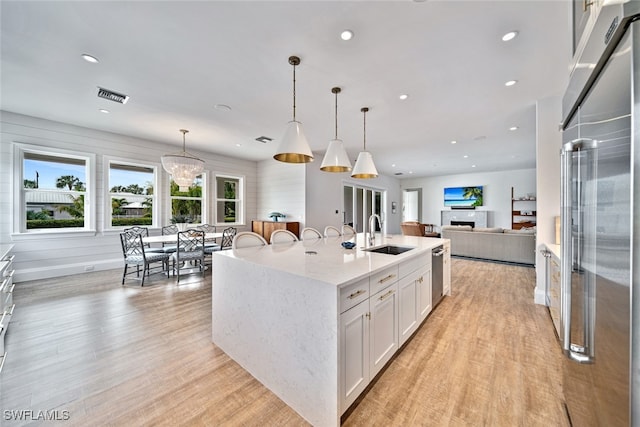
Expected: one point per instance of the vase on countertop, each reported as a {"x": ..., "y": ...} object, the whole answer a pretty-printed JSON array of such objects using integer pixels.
[{"x": 182, "y": 226}]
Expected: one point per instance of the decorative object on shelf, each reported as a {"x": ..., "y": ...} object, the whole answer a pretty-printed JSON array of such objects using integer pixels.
[
  {"x": 364, "y": 168},
  {"x": 294, "y": 147},
  {"x": 348, "y": 245},
  {"x": 184, "y": 167},
  {"x": 523, "y": 213},
  {"x": 276, "y": 215},
  {"x": 181, "y": 221},
  {"x": 336, "y": 158}
]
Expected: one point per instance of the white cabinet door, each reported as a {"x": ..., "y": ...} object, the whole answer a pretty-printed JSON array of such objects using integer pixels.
[
  {"x": 383, "y": 338},
  {"x": 446, "y": 266},
  {"x": 408, "y": 306},
  {"x": 354, "y": 353},
  {"x": 423, "y": 287}
]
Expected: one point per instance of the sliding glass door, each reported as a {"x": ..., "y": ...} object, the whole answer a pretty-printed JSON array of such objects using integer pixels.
[{"x": 360, "y": 203}]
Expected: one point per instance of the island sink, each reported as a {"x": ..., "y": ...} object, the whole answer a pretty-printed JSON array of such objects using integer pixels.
[{"x": 389, "y": 249}]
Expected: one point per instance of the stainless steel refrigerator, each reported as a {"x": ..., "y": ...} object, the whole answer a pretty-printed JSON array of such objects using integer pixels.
[{"x": 600, "y": 298}]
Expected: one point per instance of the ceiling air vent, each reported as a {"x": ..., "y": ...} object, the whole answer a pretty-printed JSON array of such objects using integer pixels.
[
  {"x": 398, "y": 173},
  {"x": 112, "y": 96},
  {"x": 264, "y": 139}
]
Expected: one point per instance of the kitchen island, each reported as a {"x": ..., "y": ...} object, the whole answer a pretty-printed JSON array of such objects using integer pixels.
[{"x": 315, "y": 322}]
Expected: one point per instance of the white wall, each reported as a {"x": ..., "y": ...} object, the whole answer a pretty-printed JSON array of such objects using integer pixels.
[
  {"x": 496, "y": 193},
  {"x": 52, "y": 255},
  {"x": 324, "y": 196},
  {"x": 549, "y": 142},
  {"x": 281, "y": 188},
  {"x": 548, "y": 161}
]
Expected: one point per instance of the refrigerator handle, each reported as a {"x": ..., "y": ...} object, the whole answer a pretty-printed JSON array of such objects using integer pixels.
[{"x": 572, "y": 257}]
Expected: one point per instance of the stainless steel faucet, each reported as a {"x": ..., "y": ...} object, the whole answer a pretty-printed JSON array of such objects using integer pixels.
[{"x": 372, "y": 233}]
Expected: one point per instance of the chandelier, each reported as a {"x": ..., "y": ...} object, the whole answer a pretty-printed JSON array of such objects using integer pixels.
[{"x": 184, "y": 167}]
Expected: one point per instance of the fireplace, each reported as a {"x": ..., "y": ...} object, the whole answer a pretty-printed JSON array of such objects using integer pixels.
[
  {"x": 471, "y": 223},
  {"x": 474, "y": 218}
]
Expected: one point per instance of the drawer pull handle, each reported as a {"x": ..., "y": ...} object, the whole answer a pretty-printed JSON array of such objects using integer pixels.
[
  {"x": 355, "y": 294},
  {"x": 391, "y": 276},
  {"x": 386, "y": 295}
]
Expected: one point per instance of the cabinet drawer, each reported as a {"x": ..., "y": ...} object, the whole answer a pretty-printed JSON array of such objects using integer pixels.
[
  {"x": 353, "y": 294},
  {"x": 382, "y": 279},
  {"x": 7, "y": 296},
  {"x": 7, "y": 282},
  {"x": 409, "y": 266}
]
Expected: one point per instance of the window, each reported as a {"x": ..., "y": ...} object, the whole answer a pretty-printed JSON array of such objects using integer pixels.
[
  {"x": 53, "y": 190},
  {"x": 189, "y": 203},
  {"x": 131, "y": 194},
  {"x": 229, "y": 197}
]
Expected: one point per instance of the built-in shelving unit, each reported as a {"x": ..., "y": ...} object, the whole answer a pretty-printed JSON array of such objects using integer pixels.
[{"x": 523, "y": 211}]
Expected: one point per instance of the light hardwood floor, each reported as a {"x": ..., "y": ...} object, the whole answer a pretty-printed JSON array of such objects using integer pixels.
[{"x": 129, "y": 356}]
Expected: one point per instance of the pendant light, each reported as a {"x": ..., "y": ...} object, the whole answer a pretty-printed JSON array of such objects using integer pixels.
[
  {"x": 364, "y": 167},
  {"x": 294, "y": 147},
  {"x": 184, "y": 167},
  {"x": 336, "y": 159}
]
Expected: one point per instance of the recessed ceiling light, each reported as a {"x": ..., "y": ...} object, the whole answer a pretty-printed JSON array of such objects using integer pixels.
[
  {"x": 513, "y": 128},
  {"x": 403, "y": 96},
  {"x": 509, "y": 36},
  {"x": 222, "y": 107},
  {"x": 410, "y": 172},
  {"x": 102, "y": 110},
  {"x": 465, "y": 156},
  {"x": 346, "y": 35},
  {"x": 454, "y": 142},
  {"x": 473, "y": 166},
  {"x": 511, "y": 82},
  {"x": 90, "y": 58},
  {"x": 238, "y": 145},
  {"x": 393, "y": 165}
]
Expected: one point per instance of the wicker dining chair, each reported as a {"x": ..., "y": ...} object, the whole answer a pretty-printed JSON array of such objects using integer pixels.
[
  {"x": 189, "y": 250},
  {"x": 134, "y": 253}
]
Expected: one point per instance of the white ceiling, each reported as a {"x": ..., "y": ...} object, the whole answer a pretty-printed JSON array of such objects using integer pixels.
[{"x": 178, "y": 59}]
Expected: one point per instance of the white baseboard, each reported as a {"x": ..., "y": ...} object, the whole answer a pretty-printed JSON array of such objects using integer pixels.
[
  {"x": 539, "y": 296},
  {"x": 38, "y": 273}
]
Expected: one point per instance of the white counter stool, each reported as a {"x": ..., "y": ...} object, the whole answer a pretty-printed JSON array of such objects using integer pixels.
[
  {"x": 246, "y": 239},
  {"x": 283, "y": 236},
  {"x": 310, "y": 233},
  {"x": 348, "y": 231},
  {"x": 331, "y": 231}
]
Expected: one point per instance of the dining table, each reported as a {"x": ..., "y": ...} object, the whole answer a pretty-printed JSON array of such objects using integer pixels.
[{"x": 173, "y": 238}]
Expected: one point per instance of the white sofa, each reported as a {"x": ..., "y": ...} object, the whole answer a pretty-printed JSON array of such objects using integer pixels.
[{"x": 516, "y": 246}]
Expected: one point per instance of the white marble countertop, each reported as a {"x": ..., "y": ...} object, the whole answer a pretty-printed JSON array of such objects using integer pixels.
[{"x": 327, "y": 261}]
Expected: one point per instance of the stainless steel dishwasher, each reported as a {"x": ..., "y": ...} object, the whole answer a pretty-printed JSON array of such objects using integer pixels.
[{"x": 437, "y": 275}]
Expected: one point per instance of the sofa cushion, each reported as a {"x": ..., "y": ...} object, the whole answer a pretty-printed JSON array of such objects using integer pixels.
[
  {"x": 457, "y": 227},
  {"x": 521, "y": 231},
  {"x": 488, "y": 229}
]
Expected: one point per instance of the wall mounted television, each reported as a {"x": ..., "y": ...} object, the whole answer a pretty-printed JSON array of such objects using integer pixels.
[{"x": 463, "y": 197}]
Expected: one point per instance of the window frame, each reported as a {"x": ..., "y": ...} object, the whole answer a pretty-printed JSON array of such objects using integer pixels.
[
  {"x": 108, "y": 220},
  {"x": 19, "y": 224},
  {"x": 241, "y": 201},
  {"x": 204, "y": 212}
]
